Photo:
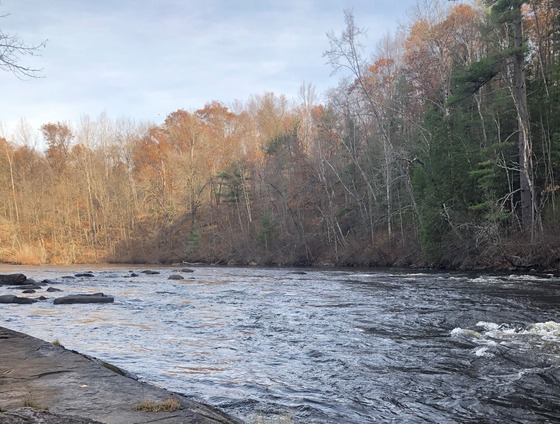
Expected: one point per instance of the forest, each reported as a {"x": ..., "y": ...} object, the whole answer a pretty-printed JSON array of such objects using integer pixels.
[{"x": 441, "y": 149}]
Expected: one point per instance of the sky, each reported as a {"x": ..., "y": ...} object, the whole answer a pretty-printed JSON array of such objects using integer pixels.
[{"x": 144, "y": 59}]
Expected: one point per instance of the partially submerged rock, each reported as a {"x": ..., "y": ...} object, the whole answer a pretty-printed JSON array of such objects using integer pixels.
[
  {"x": 12, "y": 279},
  {"x": 53, "y": 289},
  {"x": 26, "y": 287},
  {"x": 175, "y": 277},
  {"x": 67, "y": 383},
  {"x": 10, "y": 298},
  {"x": 84, "y": 298}
]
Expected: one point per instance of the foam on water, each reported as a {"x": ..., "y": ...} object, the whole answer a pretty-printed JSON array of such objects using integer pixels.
[
  {"x": 539, "y": 340},
  {"x": 483, "y": 352},
  {"x": 350, "y": 346}
]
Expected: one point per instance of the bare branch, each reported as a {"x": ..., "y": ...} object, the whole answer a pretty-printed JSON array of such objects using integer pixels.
[{"x": 12, "y": 49}]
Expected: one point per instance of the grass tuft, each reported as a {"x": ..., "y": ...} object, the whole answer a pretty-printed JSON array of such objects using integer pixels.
[
  {"x": 168, "y": 405},
  {"x": 29, "y": 403},
  {"x": 56, "y": 342}
]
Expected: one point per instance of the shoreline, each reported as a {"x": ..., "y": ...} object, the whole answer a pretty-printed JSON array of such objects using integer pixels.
[
  {"x": 47, "y": 379},
  {"x": 530, "y": 269}
]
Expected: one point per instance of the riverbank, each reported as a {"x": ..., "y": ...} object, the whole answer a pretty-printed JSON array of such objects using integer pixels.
[{"x": 53, "y": 380}]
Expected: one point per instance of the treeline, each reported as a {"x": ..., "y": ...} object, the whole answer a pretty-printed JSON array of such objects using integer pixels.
[{"x": 441, "y": 148}]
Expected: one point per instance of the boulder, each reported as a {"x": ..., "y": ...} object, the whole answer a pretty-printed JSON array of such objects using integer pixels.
[
  {"x": 175, "y": 277},
  {"x": 150, "y": 272},
  {"x": 28, "y": 291},
  {"x": 9, "y": 298},
  {"x": 187, "y": 270},
  {"x": 84, "y": 274},
  {"x": 12, "y": 279},
  {"x": 52, "y": 290},
  {"x": 84, "y": 298},
  {"x": 26, "y": 287}
]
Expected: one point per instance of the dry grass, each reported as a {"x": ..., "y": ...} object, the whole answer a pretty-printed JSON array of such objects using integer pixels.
[
  {"x": 56, "y": 342},
  {"x": 168, "y": 405},
  {"x": 30, "y": 403}
]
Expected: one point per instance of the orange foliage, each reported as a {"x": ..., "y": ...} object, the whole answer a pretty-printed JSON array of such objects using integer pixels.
[
  {"x": 432, "y": 50},
  {"x": 149, "y": 153}
]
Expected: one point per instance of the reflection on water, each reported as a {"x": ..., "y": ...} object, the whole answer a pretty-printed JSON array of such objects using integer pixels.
[{"x": 321, "y": 346}]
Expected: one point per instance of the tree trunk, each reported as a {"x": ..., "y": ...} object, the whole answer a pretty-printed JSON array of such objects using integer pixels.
[{"x": 528, "y": 197}]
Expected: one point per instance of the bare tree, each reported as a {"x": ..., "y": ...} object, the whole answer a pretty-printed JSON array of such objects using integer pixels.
[{"x": 12, "y": 49}]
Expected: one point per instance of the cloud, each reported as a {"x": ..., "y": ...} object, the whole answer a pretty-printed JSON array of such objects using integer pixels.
[{"x": 147, "y": 59}]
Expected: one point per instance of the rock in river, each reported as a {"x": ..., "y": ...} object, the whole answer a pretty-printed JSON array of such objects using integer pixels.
[
  {"x": 53, "y": 289},
  {"x": 84, "y": 298},
  {"x": 9, "y": 298},
  {"x": 12, "y": 279},
  {"x": 26, "y": 287}
]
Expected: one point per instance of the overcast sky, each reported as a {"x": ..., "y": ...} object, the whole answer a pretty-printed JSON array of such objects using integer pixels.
[{"x": 143, "y": 59}]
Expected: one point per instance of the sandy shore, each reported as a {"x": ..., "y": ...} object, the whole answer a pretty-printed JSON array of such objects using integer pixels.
[{"x": 49, "y": 379}]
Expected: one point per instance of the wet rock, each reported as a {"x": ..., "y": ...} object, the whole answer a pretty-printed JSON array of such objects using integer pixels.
[
  {"x": 8, "y": 298},
  {"x": 36, "y": 416},
  {"x": 26, "y": 287},
  {"x": 175, "y": 277},
  {"x": 150, "y": 272},
  {"x": 68, "y": 277},
  {"x": 41, "y": 298},
  {"x": 84, "y": 274},
  {"x": 52, "y": 290},
  {"x": 84, "y": 298},
  {"x": 187, "y": 270},
  {"x": 12, "y": 279},
  {"x": 28, "y": 291},
  {"x": 67, "y": 383}
]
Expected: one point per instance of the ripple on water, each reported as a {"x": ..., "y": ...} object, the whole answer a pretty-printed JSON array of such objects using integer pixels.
[{"x": 325, "y": 346}]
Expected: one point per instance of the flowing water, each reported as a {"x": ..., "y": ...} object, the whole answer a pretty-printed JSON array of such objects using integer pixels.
[{"x": 320, "y": 346}]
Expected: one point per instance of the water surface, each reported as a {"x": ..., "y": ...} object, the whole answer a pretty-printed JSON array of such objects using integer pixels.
[{"x": 323, "y": 346}]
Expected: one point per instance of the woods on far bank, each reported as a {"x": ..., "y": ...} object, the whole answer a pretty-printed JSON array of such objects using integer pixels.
[{"x": 440, "y": 148}]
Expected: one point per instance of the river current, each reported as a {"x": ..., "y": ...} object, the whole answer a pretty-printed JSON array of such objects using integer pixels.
[{"x": 319, "y": 346}]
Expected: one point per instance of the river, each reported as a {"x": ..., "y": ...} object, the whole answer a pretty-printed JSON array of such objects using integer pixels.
[{"x": 319, "y": 346}]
